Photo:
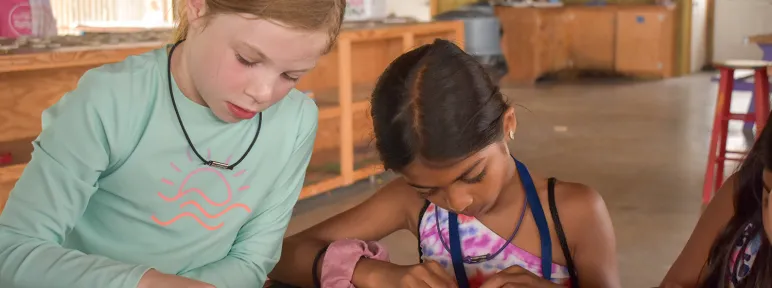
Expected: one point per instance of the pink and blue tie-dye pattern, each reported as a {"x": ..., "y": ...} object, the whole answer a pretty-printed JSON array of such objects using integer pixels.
[
  {"x": 751, "y": 243},
  {"x": 477, "y": 239}
]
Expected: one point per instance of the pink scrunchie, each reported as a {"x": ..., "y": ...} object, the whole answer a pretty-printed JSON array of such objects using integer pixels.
[{"x": 341, "y": 258}]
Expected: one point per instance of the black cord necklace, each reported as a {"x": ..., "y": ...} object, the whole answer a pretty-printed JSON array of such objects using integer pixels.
[{"x": 190, "y": 143}]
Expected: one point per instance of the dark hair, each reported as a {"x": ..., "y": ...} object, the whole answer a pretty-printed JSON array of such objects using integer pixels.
[
  {"x": 747, "y": 210},
  {"x": 435, "y": 102}
]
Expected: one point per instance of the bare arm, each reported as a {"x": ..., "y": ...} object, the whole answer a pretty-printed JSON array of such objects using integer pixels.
[
  {"x": 685, "y": 272},
  {"x": 588, "y": 223},
  {"x": 392, "y": 208}
]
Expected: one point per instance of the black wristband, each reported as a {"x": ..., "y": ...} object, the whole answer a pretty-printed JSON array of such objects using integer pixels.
[{"x": 317, "y": 282}]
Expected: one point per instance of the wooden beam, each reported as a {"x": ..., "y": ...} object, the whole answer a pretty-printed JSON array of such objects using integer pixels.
[
  {"x": 684, "y": 45},
  {"x": 434, "y": 7},
  {"x": 709, "y": 34},
  {"x": 345, "y": 99}
]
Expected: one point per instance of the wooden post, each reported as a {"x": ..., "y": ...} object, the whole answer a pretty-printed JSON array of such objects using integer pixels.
[
  {"x": 460, "y": 32},
  {"x": 408, "y": 41},
  {"x": 345, "y": 99}
]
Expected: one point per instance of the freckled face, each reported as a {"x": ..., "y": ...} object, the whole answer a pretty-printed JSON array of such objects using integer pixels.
[
  {"x": 240, "y": 65},
  {"x": 470, "y": 186}
]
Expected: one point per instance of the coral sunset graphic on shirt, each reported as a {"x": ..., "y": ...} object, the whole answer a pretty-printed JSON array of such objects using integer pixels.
[{"x": 180, "y": 188}]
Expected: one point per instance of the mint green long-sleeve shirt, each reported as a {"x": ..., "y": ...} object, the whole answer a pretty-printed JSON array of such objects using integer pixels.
[{"x": 113, "y": 188}]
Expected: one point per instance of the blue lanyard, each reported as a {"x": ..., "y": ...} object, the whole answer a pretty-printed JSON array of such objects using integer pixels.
[{"x": 538, "y": 215}]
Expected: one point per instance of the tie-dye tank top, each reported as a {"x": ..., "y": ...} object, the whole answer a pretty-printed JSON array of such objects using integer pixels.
[
  {"x": 750, "y": 242},
  {"x": 476, "y": 239}
]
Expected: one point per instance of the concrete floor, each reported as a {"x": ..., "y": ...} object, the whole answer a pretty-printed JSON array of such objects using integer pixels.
[{"x": 643, "y": 145}]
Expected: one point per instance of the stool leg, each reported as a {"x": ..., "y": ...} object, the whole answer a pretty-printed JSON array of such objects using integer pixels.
[
  {"x": 724, "y": 120},
  {"x": 712, "y": 181},
  {"x": 761, "y": 98}
]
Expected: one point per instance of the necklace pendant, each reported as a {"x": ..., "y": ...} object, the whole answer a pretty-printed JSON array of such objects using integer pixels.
[
  {"x": 220, "y": 165},
  {"x": 476, "y": 259}
]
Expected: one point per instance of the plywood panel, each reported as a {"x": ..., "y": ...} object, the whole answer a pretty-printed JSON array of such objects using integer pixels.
[
  {"x": 534, "y": 41},
  {"x": 591, "y": 35},
  {"x": 27, "y": 93},
  {"x": 552, "y": 42},
  {"x": 645, "y": 42}
]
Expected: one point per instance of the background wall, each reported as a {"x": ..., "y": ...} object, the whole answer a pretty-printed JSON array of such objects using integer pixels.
[
  {"x": 418, "y": 9},
  {"x": 735, "y": 21}
]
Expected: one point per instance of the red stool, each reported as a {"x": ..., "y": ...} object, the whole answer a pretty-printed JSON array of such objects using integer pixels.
[{"x": 714, "y": 174}]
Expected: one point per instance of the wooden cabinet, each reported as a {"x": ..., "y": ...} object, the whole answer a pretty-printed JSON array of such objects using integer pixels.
[
  {"x": 591, "y": 38},
  {"x": 534, "y": 41},
  {"x": 633, "y": 40},
  {"x": 645, "y": 42}
]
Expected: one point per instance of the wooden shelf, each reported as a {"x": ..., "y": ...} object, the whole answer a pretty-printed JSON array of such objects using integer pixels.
[
  {"x": 329, "y": 98},
  {"x": 325, "y": 164},
  {"x": 73, "y": 57},
  {"x": 336, "y": 182}
]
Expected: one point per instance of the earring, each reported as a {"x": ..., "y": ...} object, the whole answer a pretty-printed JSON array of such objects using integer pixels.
[{"x": 511, "y": 135}]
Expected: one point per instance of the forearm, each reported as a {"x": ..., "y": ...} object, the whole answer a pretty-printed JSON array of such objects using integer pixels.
[
  {"x": 297, "y": 261},
  {"x": 229, "y": 272},
  {"x": 365, "y": 273},
  {"x": 26, "y": 262}
]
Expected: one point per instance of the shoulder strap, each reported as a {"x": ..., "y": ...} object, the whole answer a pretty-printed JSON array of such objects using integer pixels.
[
  {"x": 532, "y": 196},
  {"x": 455, "y": 251},
  {"x": 561, "y": 235}
]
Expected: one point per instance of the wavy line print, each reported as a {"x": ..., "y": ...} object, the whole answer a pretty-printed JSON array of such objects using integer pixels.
[
  {"x": 186, "y": 214},
  {"x": 175, "y": 167},
  {"x": 167, "y": 181},
  {"x": 210, "y": 216},
  {"x": 181, "y": 193}
]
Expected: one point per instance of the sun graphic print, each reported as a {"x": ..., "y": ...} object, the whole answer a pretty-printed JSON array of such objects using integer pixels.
[{"x": 183, "y": 187}]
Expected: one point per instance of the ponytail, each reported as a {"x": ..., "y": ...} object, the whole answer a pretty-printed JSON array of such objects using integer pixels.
[{"x": 181, "y": 17}]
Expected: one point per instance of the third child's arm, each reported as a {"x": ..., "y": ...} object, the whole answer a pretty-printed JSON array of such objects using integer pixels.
[
  {"x": 685, "y": 272},
  {"x": 392, "y": 208}
]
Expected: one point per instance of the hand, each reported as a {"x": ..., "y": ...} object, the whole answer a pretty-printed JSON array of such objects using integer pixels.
[
  {"x": 155, "y": 279},
  {"x": 425, "y": 275},
  {"x": 519, "y": 277}
]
